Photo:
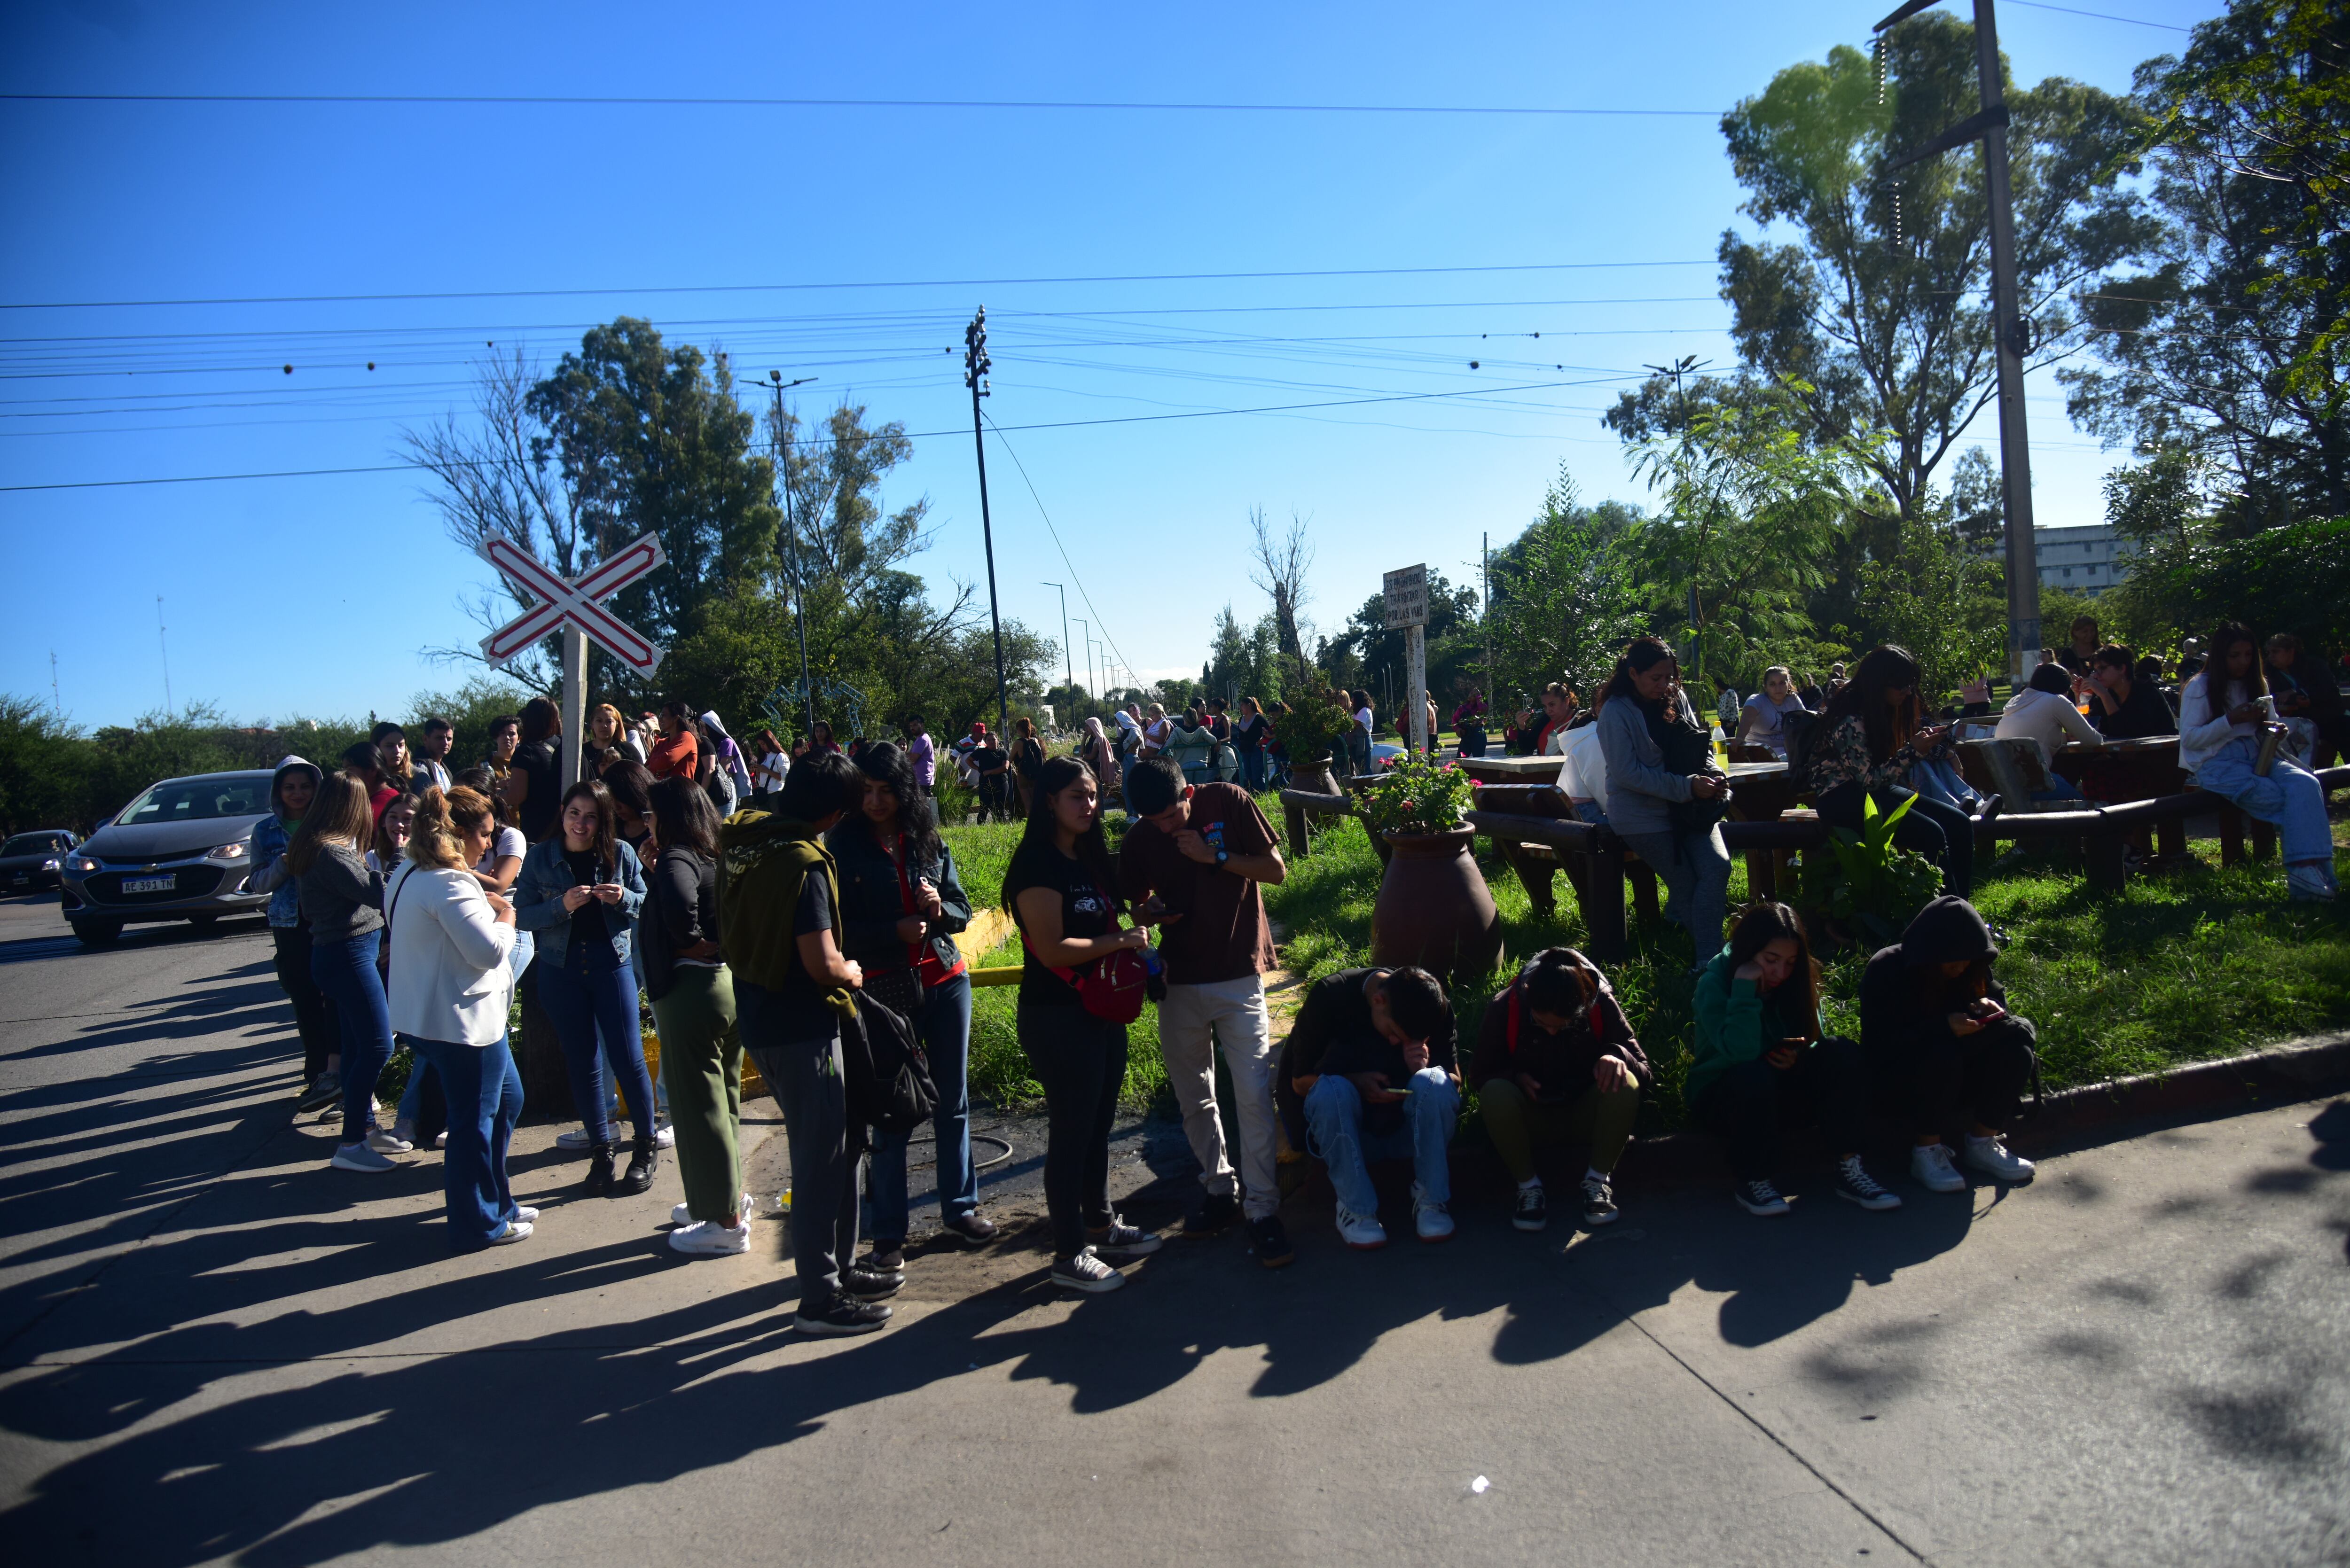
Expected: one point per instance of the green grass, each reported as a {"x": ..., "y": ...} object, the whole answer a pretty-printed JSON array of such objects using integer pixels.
[{"x": 2182, "y": 967}]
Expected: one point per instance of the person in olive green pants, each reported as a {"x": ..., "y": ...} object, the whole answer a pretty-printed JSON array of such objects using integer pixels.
[{"x": 692, "y": 993}]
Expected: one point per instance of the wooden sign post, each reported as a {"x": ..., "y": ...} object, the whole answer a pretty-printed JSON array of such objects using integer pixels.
[{"x": 1406, "y": 607}]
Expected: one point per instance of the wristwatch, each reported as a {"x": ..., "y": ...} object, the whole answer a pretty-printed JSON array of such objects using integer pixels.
[{"x": 1222, "y": 855}]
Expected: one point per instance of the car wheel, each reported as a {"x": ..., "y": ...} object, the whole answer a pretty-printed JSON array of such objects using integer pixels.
[{"x": 97, "y": 933}]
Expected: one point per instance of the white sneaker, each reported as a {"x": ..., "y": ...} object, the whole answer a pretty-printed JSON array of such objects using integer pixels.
[
  {"x": 664, "y": 1137},
  {"x": 516, "y": 1230},
  {"x": 1991, "y": 1156},
  {"x": 575, "y": 1139},
  {"x": 1430, "y": 1217},
  {"x": 1363, "y": 1232},
  {"x": 1931, "y": 1164},
  {"x": 359, "y": 1157},
  {"x": 526, "y": 1213},
  {"x": 682, "y": 1214},
  {"x": 441, "y": 1141},
  {"x": 384, "y": 1142},
  {"x": 1087, "y": 1273},
  {"x": 709, "y": 1239}
]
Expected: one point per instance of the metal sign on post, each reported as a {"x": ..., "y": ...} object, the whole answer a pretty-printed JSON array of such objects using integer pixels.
[
  {"x": 574, "y": 606},
  {"x": 1407, "y": 607}
]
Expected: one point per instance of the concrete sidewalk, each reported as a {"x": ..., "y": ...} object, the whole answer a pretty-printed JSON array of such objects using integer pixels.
[{"x": 213, "y": 1349}]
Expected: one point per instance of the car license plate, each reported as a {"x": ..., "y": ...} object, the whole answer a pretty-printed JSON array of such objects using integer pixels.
[{"x": 148, "y": 884}]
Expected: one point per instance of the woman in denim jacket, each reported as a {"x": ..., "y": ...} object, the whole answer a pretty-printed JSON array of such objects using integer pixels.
[
  {"x": 580, "y": 889},
  {"x": 901, "y": 908}
]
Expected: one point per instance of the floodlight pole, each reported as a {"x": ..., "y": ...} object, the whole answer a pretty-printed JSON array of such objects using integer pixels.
[{"x": 2011, "y": 336}]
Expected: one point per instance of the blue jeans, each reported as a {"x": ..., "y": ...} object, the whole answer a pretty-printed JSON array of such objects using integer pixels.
[
  {"x": 1588, "y": 810},
  {"x": 942, "y": 1023},
  {"x": 592, "y": 991},
  {"x": 1334, "y": 1133},
  {"x": 484, "y": 1102},
  {"x": 1253, "y": 768},
  {"x": 346, "y": 971},
  {"x": 1938, "y": 781},
  {"x": 1696, "y": 874},
  {"x": 2290, "y": 798}
]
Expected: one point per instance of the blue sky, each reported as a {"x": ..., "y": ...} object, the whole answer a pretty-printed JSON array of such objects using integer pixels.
[{"x": 734, "y": 227}]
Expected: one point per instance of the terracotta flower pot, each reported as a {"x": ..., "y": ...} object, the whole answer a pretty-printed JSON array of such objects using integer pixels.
[
  {"x": 1433, "y": 908},
  {"x": 1312, "y": 776}
]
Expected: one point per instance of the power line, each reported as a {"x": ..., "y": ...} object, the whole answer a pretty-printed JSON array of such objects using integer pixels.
[
  {"x": 2100, "y": 16},
  {"x": 794, "y": 287},
  {"x": 585, "y": 101},
  {"x": 1075, "y": 576}
]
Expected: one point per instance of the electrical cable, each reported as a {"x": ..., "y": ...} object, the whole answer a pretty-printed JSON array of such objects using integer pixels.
[
  {"x": 1074, "y": 577},
  {"x": 586, "y": 100}
]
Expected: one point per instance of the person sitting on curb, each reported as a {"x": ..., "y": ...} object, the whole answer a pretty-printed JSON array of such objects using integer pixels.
[
  {"x": 1942, "y": 1046},
  {"x": 1372, "y": 1054},
  {"x": 1762, "y": 1063},
  {"x": 1556, "y": 1063}
]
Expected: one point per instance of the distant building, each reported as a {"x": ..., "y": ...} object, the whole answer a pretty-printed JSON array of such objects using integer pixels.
[{"x": 2082, "y": 560}]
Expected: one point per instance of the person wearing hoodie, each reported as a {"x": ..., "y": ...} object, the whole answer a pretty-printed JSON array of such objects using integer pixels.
[
  {"x": 778, "y": 916},
  {"x": 1640, "y": 709},
  {"x": 1556, "y": 1063},
  {"x": 291, "y": 792},
  {"x": 1942, "y": 1048},
  {"x": 1762, "y": 1064}
]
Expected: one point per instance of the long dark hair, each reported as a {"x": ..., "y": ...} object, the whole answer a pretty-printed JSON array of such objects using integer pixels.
[
  {"x": 918, "y": 819},
  {"x": 606, "y": 858},
  {"x": 1888, "y": 667},
  {"x": 2217, "y": 682},
  {"x": 540, "y": 719},
  {"x": 1759, "y": 925},
  {"x": 1032, "y": 861},
  {"x": 481, "y": 780},
  {"x": 683, "y": 818},
  {"x": 1640, "y": 655}
]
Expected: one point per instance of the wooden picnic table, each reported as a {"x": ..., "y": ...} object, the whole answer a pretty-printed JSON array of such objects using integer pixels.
[{"x": 1511, "y": 769}]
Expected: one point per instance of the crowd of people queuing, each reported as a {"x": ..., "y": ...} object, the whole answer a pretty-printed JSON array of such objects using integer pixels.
[{"x": 798, "y": 903}]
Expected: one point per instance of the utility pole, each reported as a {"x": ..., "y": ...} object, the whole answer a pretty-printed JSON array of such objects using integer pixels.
[
  {"x": 975, "y": 365},
  {"x": 791, "y": 542},
  {"x": 1069, "y": 658},
  {"x": 1486, "y": 597},
  {"x": 56, "y": 703},
  {"x": 1088, "y": 640},
  {"x": 166, "y": 648},
  {"x": 2011, "y": 332}
]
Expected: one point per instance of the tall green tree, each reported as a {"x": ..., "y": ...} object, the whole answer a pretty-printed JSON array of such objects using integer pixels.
[
  {"x": 1878, "y": 304},
  {"x": 1565, "y": 600},
  {"x": 2229, "y": 338}
]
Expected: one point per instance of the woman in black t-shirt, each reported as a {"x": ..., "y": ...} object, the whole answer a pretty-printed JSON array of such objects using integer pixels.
[
  {"x": 533, "y": 786},
  {"x": 1060, "y": 890}
]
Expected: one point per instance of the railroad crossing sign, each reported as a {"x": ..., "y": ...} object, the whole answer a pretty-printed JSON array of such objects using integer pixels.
[{"x": 572, "y": 601}]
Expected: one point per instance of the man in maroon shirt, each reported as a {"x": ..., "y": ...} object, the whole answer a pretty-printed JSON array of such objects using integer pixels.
[{"x": 1191, "y": 862}]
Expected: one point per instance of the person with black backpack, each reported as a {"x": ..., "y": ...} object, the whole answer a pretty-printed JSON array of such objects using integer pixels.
[
  {"x": 1078, "y": 991},
  {"x": 1665, "y": 799}
]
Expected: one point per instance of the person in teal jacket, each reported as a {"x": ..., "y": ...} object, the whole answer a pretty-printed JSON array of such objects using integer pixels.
[{"x": 1761, "y": 1065}]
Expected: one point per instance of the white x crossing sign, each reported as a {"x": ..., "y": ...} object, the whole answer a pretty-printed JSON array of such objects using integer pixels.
[{"x": 573, "y": 601}]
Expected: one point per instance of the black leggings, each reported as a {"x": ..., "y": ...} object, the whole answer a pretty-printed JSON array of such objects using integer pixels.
[
  {"x": 1942, "y": 834},
  {"x": 1750, "y": 1104},
  {"x": 314, "y": 1015},
  {"x": 1930, "y": 1079},
  {"x": 1081, "y": 1062}
]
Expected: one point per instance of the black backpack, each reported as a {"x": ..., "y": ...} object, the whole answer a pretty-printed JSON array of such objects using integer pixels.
[
  {"x": 1690, "y": 749},
  {"x": 1800, "y": 729},
  {"x": 886, "y": 1074}
]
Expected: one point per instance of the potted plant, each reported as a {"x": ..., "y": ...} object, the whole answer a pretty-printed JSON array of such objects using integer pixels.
[
  {"x": 1317, "y": 721},
  {"x": 1434, "y": 909}
]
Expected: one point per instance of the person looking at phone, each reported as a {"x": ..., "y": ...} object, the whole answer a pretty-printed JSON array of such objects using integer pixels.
[
  {"x": 1942, "y": 1048},
  {"x": 1195, "y": 861},
  {"x": 1761, "y": 1065},
  {"x": 1642, "y": 712},
  {"x": 2220, "y": 718},
  {"x": 1370, "y": 1074},
  {"x": 1556, "y": 1063},
  {"x": 1863, "y": 748}
]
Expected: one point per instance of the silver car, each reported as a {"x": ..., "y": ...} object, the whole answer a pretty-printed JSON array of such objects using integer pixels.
[{"x": 181, "y": 851}]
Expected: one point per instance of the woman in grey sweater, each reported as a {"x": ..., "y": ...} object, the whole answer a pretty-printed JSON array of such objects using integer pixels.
[
  {"x": 342, "y": 903},
  {"x": 1638, "y": 709}
]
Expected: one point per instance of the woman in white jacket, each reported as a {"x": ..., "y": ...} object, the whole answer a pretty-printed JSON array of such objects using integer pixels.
[
  {"x": 450, "y": 939},
  {"x": 2220, "y": 713}
]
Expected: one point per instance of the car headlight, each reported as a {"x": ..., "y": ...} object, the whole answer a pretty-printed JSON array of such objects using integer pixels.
[
  {"x": 236, "y": 851},
  {"x": 81, "y": 863},
  {"x": 50, "y": 864}
]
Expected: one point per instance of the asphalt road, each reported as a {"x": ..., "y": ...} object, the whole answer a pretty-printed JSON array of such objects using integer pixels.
[{"x": 214, "y": 1348}]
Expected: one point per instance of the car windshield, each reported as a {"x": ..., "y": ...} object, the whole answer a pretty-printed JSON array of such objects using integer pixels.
[
  {"x": 199, "y": 800},
  {"x": 30, "y": 844}
]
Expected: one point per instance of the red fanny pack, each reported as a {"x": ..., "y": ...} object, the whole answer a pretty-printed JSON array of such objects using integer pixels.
[{"x": 1111, "y": 988}]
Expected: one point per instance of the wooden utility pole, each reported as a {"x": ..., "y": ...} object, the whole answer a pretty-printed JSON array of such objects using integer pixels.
[{"x": 975, "y": 366}]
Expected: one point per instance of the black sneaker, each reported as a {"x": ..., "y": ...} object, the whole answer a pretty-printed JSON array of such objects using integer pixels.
[
  {"x": 844, "y": 1316},
  {"x": 1119, "y": 1239},
  {"x": 1087, "y": 1272},
  {"x": 1533, "y": 1208},
  {"x": 1271, "y": 1242},
  {"x": 325, "y": 1090},
  {"x": 886, "y": 1258},
  {"x": 1759, "y": 1198},
  {"x": 1598, "y": 1201},
  {"x": 972, "y": 1230},
  {"x": 870, "y": 1284},
  {"x": 1216, "y": 1215}
]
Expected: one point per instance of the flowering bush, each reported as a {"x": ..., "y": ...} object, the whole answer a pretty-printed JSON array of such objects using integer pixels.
[{"x": 1418, "y": 794}]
